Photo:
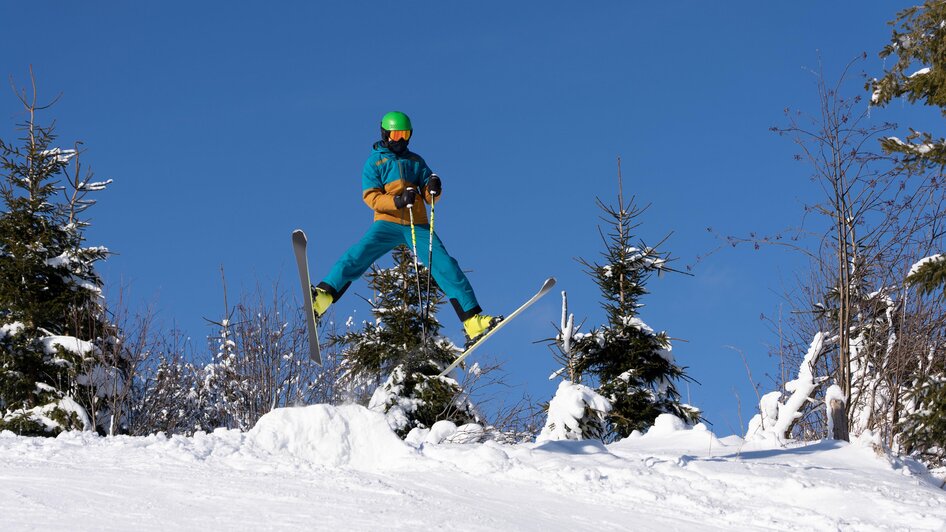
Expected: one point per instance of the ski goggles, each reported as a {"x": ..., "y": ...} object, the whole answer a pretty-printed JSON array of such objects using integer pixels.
[{"x": 399, "y": 135}]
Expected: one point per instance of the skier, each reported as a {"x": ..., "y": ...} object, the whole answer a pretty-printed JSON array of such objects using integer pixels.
[{"x": 395, "y": 179}]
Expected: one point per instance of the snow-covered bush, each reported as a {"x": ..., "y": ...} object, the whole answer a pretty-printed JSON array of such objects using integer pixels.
[
  {"x": 575, "y": 413},
  {"x": 258, "y": 362}
]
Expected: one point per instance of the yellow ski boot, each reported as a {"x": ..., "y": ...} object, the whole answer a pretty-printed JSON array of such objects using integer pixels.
[
  {"x": 477, "y": 326},
  {"x": 320, "y": 301}
]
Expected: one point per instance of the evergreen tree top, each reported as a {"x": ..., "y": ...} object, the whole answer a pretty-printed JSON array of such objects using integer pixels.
[
  {"x": 44, "y": 268},
  {"x": 628, "y": 263}
]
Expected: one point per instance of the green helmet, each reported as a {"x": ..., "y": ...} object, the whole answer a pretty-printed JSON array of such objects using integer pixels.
[{"x": 396, "y": 121}]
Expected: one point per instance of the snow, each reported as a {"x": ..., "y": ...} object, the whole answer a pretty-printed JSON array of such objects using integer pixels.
[
  {"x": 62, "y": 260},
  {"x": 59, "y": 154},
  {"x": 96, "y": 186},
  {"x": 468, "y": 433},
  {"x": 10, "y": 329},
  {"x": 637, "y": 323},
  {"x": 924, "y": 261},
  {"x": 69, "y": 404},
  {"x": 475, "y": 370},
  {"x": 329, "y": 436},
  {"x": 41, "y": 414},
  {"x": 69, "y": 343},
  {"x": 875, "y": 96},
  {"x": 667, "y": 424},
  {"x": 388, "y": 398},
  {"x": 440, "y": 431},
  {"x": 833, "y": 393},
  {"x": 921, "y": 149},
  {"x": 341, "y": 468}
]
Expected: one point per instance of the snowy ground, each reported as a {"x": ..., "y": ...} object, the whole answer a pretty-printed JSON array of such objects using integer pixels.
[{"x": 341, "y": 468}]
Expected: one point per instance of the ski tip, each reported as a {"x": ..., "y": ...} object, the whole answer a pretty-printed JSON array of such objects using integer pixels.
[
  {"x": 299, "y": 234},
  {"x": 549, "y": 283}
]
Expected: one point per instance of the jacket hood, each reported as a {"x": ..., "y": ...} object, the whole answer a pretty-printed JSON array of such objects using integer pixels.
[{"x": 380, "y": 147}]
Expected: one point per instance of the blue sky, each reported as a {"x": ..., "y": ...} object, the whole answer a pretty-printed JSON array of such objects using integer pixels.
[{"x": 226, "y": 125}]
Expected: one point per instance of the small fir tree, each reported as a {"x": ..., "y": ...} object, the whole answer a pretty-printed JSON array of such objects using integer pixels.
[
  {"x": 52, "y": 374},
  {"x": 630, "y": 362},
  {"x": 391, "y": 357},
  {"x": 576, "y": 412}
]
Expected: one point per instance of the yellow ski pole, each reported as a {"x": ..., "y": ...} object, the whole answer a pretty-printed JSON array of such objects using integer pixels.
[
  {"x": 430, "y": 255},
  {"x": 420, "y": 296}
]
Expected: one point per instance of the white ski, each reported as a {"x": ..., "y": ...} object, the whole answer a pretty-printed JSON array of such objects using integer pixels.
[
  {"x": 299, "y": 242},
  {"x": 546, "y": 287}
]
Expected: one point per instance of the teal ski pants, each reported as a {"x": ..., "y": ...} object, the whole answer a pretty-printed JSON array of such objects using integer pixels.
[{"x": 384, "y": 236}]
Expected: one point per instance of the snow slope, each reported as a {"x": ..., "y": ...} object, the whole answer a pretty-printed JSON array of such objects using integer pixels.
[{"x": 341, "y": 468}]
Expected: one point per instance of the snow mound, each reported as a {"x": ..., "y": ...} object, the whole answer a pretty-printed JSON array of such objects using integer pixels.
[
  {"x": 667, "y": 424},
  {"x": 672, "y": 434},
  {"x": 332, "y": 436},
  {"x": 440, "y": 431}
]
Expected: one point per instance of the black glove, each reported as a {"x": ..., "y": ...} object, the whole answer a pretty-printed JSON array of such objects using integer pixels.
[
  {"x": 405, "y": 199},
  {"x": 434, "y": 187}
]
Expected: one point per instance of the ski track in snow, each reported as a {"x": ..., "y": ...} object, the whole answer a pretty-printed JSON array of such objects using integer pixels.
[{"x": 228, "y": 480}]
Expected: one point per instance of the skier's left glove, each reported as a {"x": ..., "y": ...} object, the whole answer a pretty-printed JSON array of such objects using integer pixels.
[{"x": 434, "y": 186}]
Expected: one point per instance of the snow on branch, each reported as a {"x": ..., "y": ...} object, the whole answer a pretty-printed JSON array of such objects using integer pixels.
[
  {"x": 94, "y": 187},
  {"x": 59, "y": 155},
  {"x": 923, "y": 262},
  {"x": 776, "y": 418},
  {"x": 916, "y": 149}
]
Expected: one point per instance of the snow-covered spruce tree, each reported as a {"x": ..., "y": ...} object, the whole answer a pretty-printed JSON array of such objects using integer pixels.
[
  {"x": 52, "y": 319},
  {"x": 918, "y": 43},
  {"x": 924, "y": 430},
  {"x": 630, "y": 362},
  {"x": 389, "y": 359},
  {"x": 922, "y": 418}
]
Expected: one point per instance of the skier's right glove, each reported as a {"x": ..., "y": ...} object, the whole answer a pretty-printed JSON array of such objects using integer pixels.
[{"x": 405, "y": 199}]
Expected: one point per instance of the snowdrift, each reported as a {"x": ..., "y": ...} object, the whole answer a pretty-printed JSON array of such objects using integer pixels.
[
  {"x": 330, "y": 436},
  {"x": 342, "y": 468}
]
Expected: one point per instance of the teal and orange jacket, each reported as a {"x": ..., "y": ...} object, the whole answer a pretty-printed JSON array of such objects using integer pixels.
[{"x": 386, "y": 175}]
